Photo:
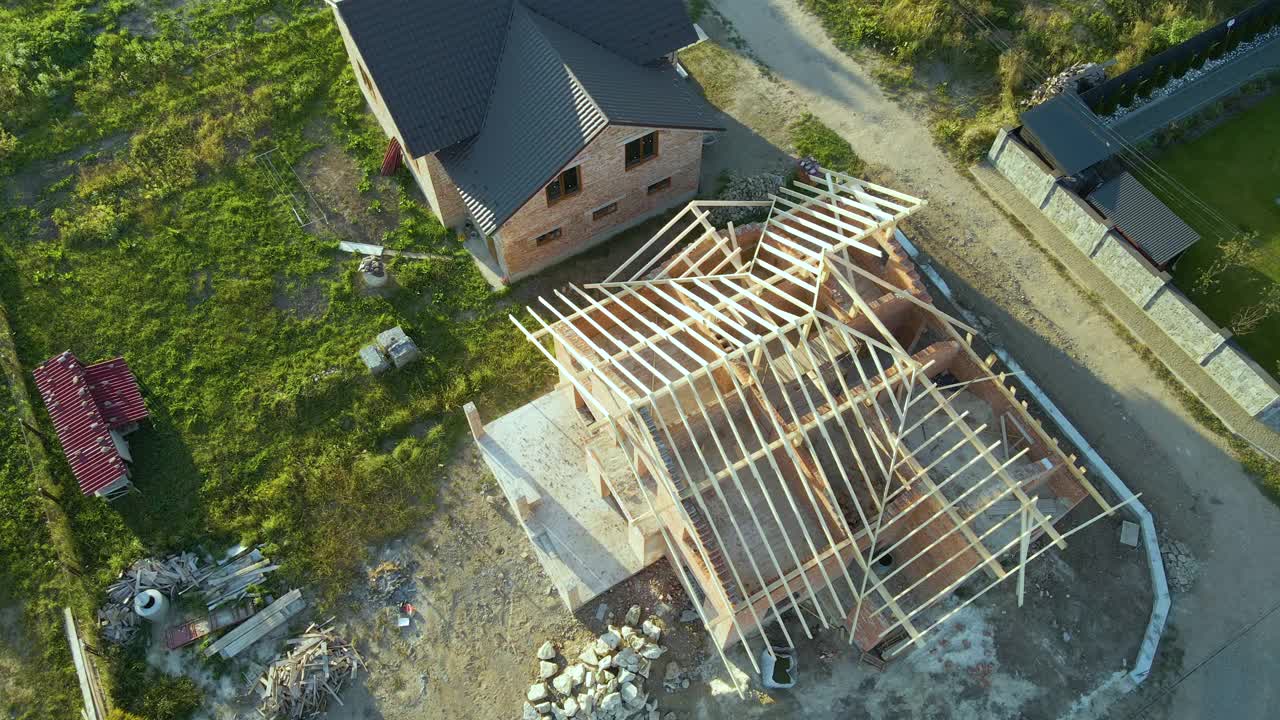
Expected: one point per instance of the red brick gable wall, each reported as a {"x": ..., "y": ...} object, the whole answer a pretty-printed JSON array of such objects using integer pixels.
[{"x": 605, "y": 180}]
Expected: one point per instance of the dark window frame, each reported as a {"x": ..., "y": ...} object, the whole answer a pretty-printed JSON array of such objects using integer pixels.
[
  {"x": 634, "y": 153},
  {"x": 659, "y": 186},
  {"x": 604, "y": 211},
  {"x": 560, "y": 182},
  {"x": 547, "y": 237}
]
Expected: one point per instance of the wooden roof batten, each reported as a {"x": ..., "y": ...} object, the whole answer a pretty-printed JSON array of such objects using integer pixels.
[{"x": 697, "y": 329}]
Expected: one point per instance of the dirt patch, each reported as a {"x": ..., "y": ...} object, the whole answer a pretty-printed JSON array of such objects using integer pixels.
[{"x": 334, "y": 180}]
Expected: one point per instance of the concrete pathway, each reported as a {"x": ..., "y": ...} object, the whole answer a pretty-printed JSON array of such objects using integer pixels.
[{"x": 1197, "y": 492}]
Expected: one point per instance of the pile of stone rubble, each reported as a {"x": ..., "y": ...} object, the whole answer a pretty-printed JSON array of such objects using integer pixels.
[
  {"x": 1072, "y": 80},
  {"x": 605, "y": 681},
  {"x": 745, "y": 187}
]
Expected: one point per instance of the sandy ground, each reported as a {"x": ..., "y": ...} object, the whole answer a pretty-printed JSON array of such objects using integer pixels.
[{"x": 1197, "y": 492}]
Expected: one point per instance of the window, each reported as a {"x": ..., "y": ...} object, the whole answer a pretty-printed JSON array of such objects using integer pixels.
[
  {"x": 609, "y": 209},
  {"x": 659, "y": 186},
  {"x": 566, "y": 184},
  {"x": 546, "y": 237},
  {"x": 641, "y": 150}
]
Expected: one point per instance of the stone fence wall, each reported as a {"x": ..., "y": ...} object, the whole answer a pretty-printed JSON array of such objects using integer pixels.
[{"x": 1148, "y": 288}]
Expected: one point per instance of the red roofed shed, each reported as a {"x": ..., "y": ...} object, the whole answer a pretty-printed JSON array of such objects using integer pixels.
[{"x": 92, "y": 407}]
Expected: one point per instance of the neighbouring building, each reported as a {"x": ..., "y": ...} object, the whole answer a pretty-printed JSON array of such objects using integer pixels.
[
  {"x": 783, "y": 414},
  {"x": 548, "y": 125},
  {"x": 92, "y": 408}
]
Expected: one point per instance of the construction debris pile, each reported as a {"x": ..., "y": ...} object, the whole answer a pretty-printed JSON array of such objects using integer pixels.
[
  {"x": 117, "y": 619},
  {"x": 1080, "y": 76},
  {"x": 607, "y": 681},
  {"x": 230, "y": 581},
  {"x": 317, "y": 668}
]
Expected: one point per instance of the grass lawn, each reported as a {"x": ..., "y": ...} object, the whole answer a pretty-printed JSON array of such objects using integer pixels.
[
  {"x": 134, "y": 221},
  {"x": 1235, "y": 169}
]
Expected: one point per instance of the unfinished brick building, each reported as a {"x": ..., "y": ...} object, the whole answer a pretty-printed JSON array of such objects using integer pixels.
[{"x": 783, "y": 414}]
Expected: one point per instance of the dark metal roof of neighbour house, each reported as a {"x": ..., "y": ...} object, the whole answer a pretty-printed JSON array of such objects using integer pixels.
[
  {"x": 1148, "y": 223},
  {"x": 1068, "y": 134},
  {"x": 435, "y": 61},
  {"x": 554, "y": 92},
  {"x": 85, "y": 404},
  {"x": 558, "y": 72}
]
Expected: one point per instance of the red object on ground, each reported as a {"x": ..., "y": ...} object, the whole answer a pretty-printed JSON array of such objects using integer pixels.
[
  {"x": 406, "y": 608},
  {"x": 86, "y": 404},
  {"x": 391, "y": 160}
]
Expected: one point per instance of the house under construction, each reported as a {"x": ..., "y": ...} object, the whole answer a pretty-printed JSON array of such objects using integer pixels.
[{"x": 781, "y": 412}]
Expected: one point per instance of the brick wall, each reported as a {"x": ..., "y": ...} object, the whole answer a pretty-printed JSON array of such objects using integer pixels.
[{"x": 604, "y": 180}]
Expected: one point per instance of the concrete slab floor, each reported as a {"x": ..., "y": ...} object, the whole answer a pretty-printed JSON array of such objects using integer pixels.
[{"x": 539, "y": 451}]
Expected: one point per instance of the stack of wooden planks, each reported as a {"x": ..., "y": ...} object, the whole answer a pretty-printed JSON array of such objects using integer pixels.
[
  {"x": 116, "y": 619},
  {"x": 232, "y": 581},
  {"x": 316, "y": 669},
  {"x": 258, "y": 626}
]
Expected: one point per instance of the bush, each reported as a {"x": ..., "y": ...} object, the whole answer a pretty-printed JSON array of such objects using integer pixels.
[{"x": 814, "y": 139}]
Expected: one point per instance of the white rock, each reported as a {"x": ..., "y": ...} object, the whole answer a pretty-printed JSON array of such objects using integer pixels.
[
  {"x": 586, "y": 704},
  {"x": 651, "y": 630},
  {"x": 557, "y": 712},
  {"x": 547, "y": 669},
  {"x": 629, "y": 692},
  {"x": 577, "y": 673},
  {"x": 627, "y": 659},
  {"x": 626, "y": 677},
  {"x": 633, "y": 615},
  {"x": 611, "y": 639},
  {"x": 606, "y": 661},
  {"x": 589, "y": 680},
  {"x": 644, "y": 666},
  {"x": 563, "y": 684},
  {"x": 570, "y": 707},
  {"x": 628, "y": 632},
  {"x": 547, "y": 651},
  {"x": 602, "y": 648},
  {"x": 543, "y": 707},
  {"x": 636, "y": 642},
  {"x": 537, "y": 692},
  {"x": 530, "y": 713},
  {"x": 652, "y": 652},
  {"x": 611, "y": 702},
  {"x": 589, "y": 656}
]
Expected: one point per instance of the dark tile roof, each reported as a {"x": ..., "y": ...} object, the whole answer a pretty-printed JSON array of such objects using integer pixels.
[
  {"x": 1143, "y": 219},
  {"x": 435, "y": 62},
  {"x": 1067, "y": 132},
  {"x": 554, "y": 91},
  {"x": 540, "y": 118}
]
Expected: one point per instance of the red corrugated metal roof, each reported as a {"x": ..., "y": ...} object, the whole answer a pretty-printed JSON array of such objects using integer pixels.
[
  {"x": 85, "y": 404},
  {"x": 115, "y": 389}
]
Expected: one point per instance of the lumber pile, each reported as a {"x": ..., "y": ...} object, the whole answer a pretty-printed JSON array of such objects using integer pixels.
[
  {"x": 116, "y": 619},
  {"x": 228, "y": 582},
  {"x": 232, "y": 581},
  {"x": 316, "y": 668},
  {"x": 258, "y": 626}
]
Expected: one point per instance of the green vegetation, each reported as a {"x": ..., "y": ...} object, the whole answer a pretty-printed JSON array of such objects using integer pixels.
[
  {"x": 137, "y": 223},
  {"x": 985, "y": 79},
  {"x": 813, "y": 139},
  {"x": 1247, "y": 145}
]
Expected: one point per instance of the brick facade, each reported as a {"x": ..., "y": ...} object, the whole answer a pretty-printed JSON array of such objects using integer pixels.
[{"x": 605, "y": 179}]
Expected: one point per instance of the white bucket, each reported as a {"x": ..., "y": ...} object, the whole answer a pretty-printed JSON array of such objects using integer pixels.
[{"x": 150, "y": 604}]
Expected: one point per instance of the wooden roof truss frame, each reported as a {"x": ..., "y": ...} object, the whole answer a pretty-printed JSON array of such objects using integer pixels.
[{"x": 750, "y": 324}]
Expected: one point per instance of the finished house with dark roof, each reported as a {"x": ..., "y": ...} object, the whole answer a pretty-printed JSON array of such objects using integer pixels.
[{"x": 550, "y": 125}]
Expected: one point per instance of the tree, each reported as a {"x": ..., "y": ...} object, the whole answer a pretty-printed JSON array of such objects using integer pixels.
[
  {"x": 1239, "y": 251},
  {"x": 1248, "y": 318}
]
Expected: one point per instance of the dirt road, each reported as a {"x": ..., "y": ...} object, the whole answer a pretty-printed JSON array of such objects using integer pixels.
[{"x": 1197, "y": 491}]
